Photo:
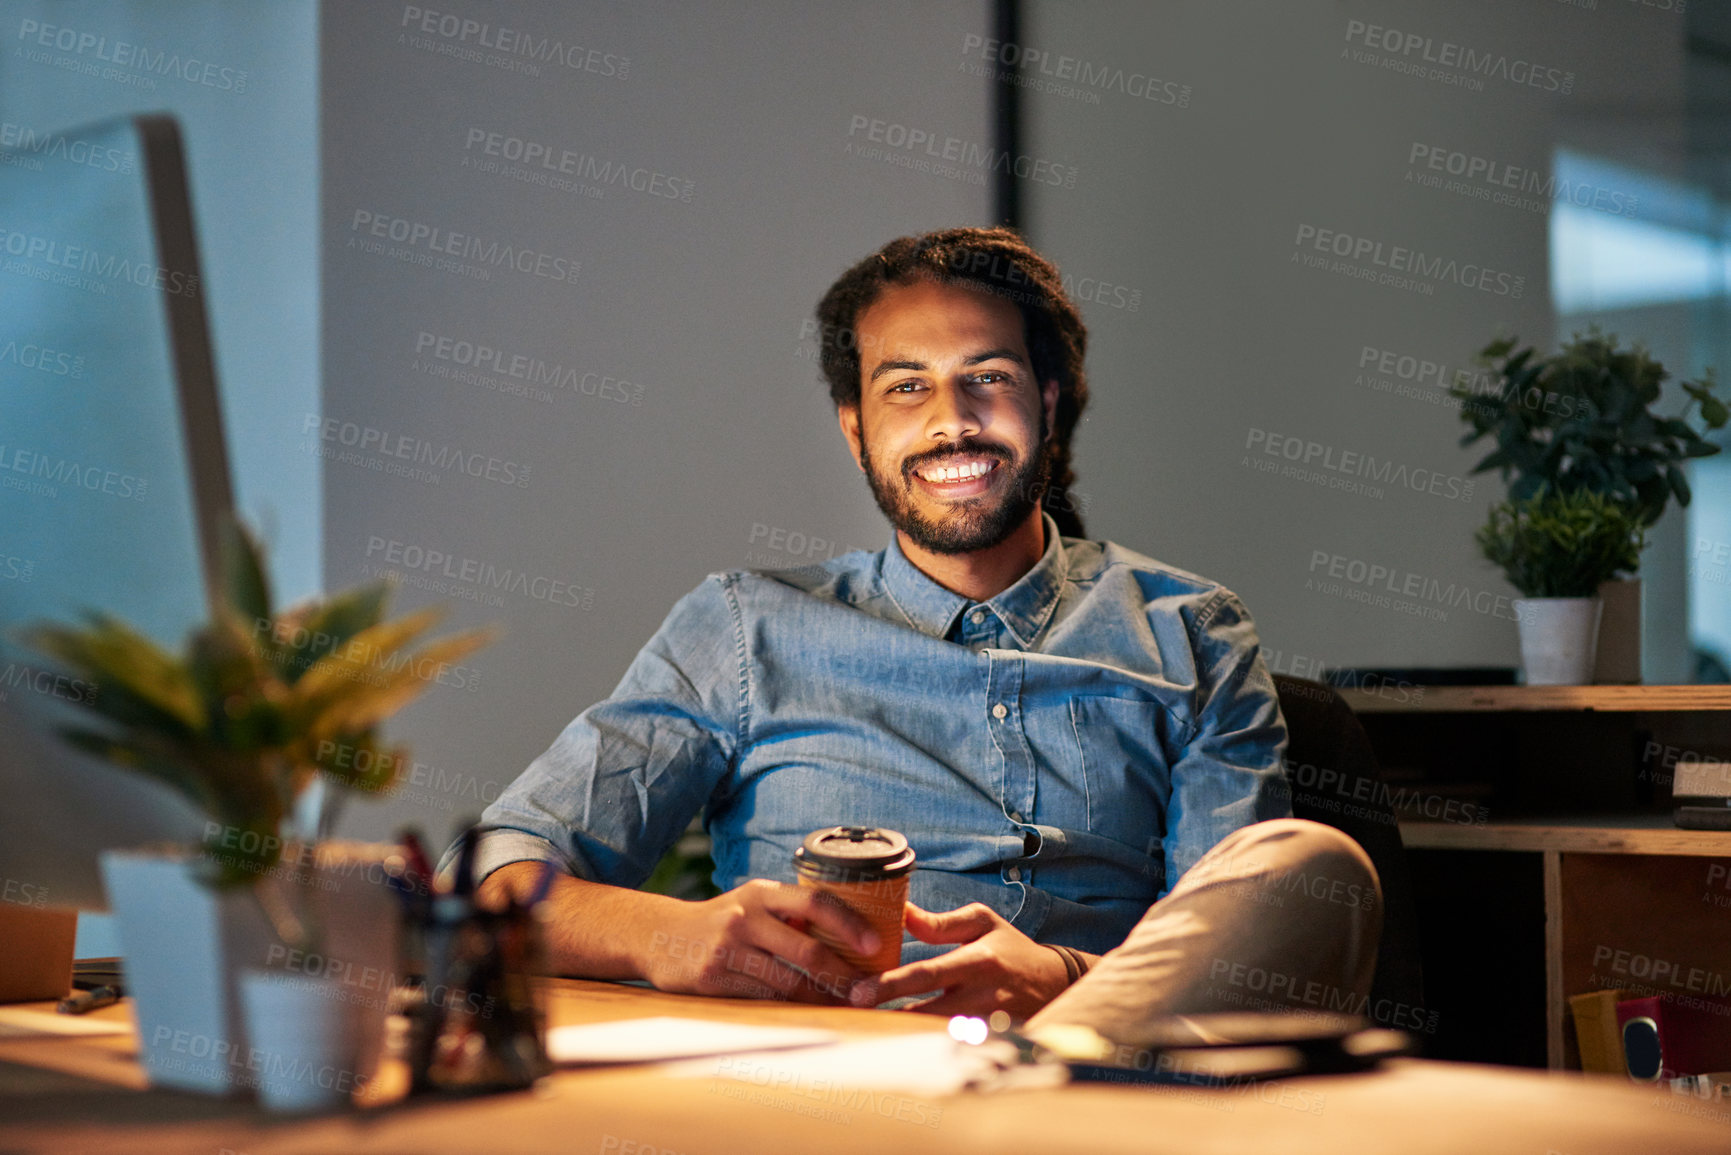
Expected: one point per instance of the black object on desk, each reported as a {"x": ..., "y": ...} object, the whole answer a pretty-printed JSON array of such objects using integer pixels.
[
  {"x": 1228, "y": 1049},
  {"x": 474, "y": 1025},
  {"x": 90, "y": 1000}
]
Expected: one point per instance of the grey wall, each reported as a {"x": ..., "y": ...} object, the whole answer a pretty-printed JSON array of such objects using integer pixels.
[
  {"x": 1270, "y": 120},
  {"x": 607, "y": 501}
]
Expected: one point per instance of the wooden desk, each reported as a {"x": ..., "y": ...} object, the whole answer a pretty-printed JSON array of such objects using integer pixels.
[{"x": 57, "y": 1095}]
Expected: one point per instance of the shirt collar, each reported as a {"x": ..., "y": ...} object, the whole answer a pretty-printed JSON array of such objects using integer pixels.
[{"x": 1023, "y": 608}]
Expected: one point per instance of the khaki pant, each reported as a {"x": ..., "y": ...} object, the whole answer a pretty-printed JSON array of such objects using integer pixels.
[{"x": 1282, "y": 915}]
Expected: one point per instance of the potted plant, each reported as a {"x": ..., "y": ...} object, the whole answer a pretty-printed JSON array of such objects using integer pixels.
[
  {"x": 259, "y": 712},
  {"x": 1582, "y": 419},
  {"x": 1557, "y": 549}
]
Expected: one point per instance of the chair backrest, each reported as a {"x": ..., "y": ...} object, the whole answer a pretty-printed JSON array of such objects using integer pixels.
[{"x": 1333, "y": 774}]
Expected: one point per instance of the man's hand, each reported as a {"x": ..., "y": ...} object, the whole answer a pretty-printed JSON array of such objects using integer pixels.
[
  {"x": 740, "y": 944},
  {"x": 999, "y": 968}
]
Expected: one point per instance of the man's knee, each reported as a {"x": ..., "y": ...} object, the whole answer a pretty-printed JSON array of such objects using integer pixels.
[
  {"x": 1327, "y": 864},
  {"x": 1297, "y": 857}
]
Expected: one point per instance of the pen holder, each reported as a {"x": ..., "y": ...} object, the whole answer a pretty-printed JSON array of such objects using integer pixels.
[{"x": 476, "y": 1026}]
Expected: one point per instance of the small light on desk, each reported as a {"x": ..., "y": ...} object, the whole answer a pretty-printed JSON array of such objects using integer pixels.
[{"x": 967, "y": 1029}]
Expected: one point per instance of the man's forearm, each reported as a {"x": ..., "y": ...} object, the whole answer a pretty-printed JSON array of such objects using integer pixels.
[
  {"x": 592, "y": 930},
  {"x": 742, "y": 942}
]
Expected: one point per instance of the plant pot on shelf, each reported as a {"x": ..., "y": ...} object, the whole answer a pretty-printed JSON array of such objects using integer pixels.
[
  {"x": 1619, "y": 660},
  {"x": 1558, "y": 549},
  {"x": 185, "y": 946},
  {"x": 1559, "y": 639}
]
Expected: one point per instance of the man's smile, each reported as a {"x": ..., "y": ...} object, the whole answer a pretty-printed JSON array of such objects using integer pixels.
[{"x": 957, "y": 476}]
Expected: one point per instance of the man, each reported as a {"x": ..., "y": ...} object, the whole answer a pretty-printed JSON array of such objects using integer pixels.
[{"x": 1060, "y": 727}]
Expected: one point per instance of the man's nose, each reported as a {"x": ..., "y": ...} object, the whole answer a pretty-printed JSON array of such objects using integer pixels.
[{"x": 952, "y": 414}]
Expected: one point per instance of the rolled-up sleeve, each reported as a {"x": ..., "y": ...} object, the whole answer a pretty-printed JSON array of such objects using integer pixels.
[
  {"x": 1230, "y": 773},
  {"x": 622, "y": 781}
]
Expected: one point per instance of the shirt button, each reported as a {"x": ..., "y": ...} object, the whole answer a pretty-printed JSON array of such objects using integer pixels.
[
  {"x": 999, "y": 711},
  {"x": 1014, "y": 874},
  {"x": 978, "y": 616}
]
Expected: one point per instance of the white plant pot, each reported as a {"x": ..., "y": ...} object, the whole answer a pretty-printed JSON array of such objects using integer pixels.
[
  {"x": 305, "y": 1045},
  {"x": 359, "y": 918},
  {"x": 1619, "y": 660},
  {"x": 1559, "y": 639},
  {"x": 185, "y": 946}
]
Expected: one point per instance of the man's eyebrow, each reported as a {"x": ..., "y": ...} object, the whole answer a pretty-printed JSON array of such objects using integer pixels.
[
  {"x": 1005, "y": 354},
  {"x": 890, "y": 366}
]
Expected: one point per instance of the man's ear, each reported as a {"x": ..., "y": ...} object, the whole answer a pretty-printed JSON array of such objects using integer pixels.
[
  {"x": 1049, "y": 399},
  {"x": 848, "y": 415}
]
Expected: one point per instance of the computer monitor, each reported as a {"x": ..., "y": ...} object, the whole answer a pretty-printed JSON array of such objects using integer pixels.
[{"x": 113, "y": 475}]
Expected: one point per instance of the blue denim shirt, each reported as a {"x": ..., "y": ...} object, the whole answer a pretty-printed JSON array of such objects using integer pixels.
[{"x": 1060, "y": 752}]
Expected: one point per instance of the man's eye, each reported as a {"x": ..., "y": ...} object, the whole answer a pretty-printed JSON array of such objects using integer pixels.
[
  {"x": 994, "y": 377},
  {"x": 904, "y": 387}
]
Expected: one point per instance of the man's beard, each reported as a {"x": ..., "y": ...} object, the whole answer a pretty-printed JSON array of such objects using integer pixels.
[{"x": 971, "y": 524}]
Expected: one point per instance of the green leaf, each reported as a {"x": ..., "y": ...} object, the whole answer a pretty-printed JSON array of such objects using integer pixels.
[
  {"x": 341, "y": 696},
  {"x": 309, "y": 632},
  {"x": 1493, "y": 460},
  {"x": 245, "y": 587},
  {"x": 119, "y": 658},
  {"x": 366, "y": 652},
  {"x": 1498, "y": 348},
  {"x": 359, "y": 761},
  {"x": 1679, "y": 484}
]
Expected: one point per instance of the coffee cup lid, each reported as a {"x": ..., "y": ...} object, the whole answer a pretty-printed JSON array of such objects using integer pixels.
[{"x": 857, "y": 849}]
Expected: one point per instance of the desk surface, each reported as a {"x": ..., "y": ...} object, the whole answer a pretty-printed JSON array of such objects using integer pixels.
[{"x": 62, "y": 1095}]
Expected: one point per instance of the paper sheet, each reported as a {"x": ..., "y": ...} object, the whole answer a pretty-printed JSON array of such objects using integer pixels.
[
  {"x": 657, "y": 1039},
  {"x": 21, "y": 1024},
  {"x": 925, "y": 1065}
]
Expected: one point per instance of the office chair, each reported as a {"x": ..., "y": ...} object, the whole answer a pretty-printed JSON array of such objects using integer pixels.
[{"x": 1325, "y": 735}]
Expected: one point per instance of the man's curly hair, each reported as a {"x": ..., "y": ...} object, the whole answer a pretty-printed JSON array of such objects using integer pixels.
[{"x": 998, "y": 261}]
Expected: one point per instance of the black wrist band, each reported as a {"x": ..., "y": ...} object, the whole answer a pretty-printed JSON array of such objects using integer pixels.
[
  {"x": 1082, "y": 963},
  {"x": 1073, "y": 966}
]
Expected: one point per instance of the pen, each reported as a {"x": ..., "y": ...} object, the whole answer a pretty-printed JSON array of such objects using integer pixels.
[
  {"x": 463, "y": 885},
  {"x": 417, "y": 855},
  {"x": 88, "y": 1000}
]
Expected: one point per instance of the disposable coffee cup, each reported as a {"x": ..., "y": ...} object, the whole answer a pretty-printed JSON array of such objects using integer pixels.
[{"x": 866, "y": 870}]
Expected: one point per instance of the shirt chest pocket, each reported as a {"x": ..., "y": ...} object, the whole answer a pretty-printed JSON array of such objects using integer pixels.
[{"x": 1124, "y": 748}]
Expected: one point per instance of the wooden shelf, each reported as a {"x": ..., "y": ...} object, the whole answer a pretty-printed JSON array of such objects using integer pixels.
[
  {"x": 1594, "y": 834},
  {"x": 1485, "y": 699}
]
